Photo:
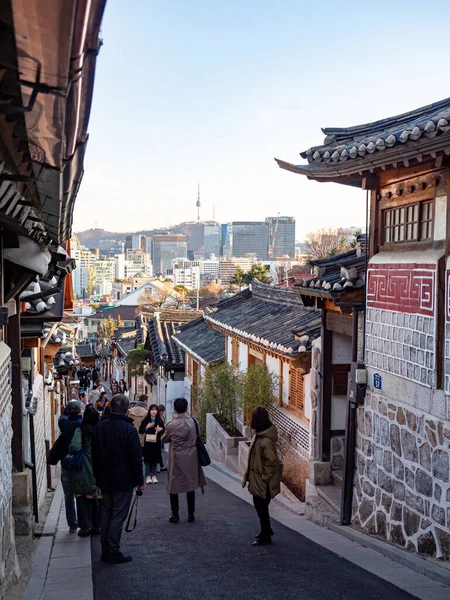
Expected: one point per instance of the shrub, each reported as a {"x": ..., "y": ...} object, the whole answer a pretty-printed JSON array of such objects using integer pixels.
[
  {"x": 259, "y": 389},
  {"x": 220, "y": 392}
]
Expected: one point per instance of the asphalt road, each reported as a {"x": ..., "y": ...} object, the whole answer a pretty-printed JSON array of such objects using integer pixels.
[{"x": 213, "y": 559}]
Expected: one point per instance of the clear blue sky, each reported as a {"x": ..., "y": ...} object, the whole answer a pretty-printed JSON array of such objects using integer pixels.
[{"x": 210, "y": 92}]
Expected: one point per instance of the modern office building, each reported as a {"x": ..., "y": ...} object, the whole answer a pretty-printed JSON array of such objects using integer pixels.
[
  {"x": 188, "y": 277},
  {"x": 109, "y": 248},
  {"x": 228, "y": 267},
  {"x": 85, "y": 260},
  {"x": 281, "y": 236},
  {"x": 211, "y": 240},
  {"x": 247, "y": 238},
  {"x": 166, "y": 248},
  {"x": 128, "y": 242}
]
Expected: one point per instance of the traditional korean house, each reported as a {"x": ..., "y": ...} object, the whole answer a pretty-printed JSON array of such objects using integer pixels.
[
  {"x": 166, "y": 374},
  {"x": 402, "y": 474},
  {"x": 336, "y": 287},
  {"x": 202, "y": 346},
  {"x": 47, "y": 69},
  {"x": 270, "y": 326}
]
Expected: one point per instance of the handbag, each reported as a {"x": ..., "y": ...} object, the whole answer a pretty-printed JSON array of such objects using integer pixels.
[
  {"x": 151, "y": 438},
  {"x": 134, "y": 506},
  {"x": 203, "y": 456},
  {"x": 57, "y": 451},
  {"x": 73, "y": 462}
]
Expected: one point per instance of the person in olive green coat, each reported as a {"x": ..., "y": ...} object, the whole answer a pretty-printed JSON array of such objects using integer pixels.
[
  {"x": 84, "y": 485},
  {"x": 263, "y": 471}
]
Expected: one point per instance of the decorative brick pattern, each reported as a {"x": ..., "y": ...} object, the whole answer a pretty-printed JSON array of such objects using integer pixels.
[
  {"x": 290, "y": 430},
  {"x": 401, "y": 344},
  {"x": 42, "y": 432},
  {"x": 406, "y": 288},
  {"x": 402, "y": 481}
]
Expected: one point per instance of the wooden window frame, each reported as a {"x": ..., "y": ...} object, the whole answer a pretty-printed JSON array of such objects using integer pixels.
[
  {"x": 296, "y": 399},
  {"x": 394, "y": 212},
  {"x": 339, "y": 379}
]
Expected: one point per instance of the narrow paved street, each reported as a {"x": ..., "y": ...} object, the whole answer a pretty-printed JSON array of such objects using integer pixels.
[{"x": 213, "y": 558}]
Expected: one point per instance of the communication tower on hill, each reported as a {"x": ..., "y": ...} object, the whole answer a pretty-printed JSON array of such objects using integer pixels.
[{"x": 198, "y": 204}]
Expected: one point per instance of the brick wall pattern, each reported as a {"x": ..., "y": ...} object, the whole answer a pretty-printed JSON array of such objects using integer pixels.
[{"x": 290, "y": 430}]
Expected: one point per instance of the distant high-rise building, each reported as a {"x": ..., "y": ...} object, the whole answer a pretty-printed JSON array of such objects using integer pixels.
[
  {"x": 128, "y": 242},
  {"x": 249, "y": 237},
  {"x": 109, "y": 248},
  {"x": 165, "y": 248},
  {"x": 283, "y": 229},
  {"x": 211, "y": 240}
]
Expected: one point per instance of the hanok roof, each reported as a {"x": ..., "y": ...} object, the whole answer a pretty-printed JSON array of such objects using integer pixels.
[
  {"x": 336, "y": 275},
  {"x": 125, "y": 339},
  {"x": 357, "y": 151},
  {"x": 85, "y": 350},
  {"x": 271, "y": 317},
  {"x": 125, "y": 312},
  {"x": 159, "y": 336},
  {"x": 206, "y": 345}
]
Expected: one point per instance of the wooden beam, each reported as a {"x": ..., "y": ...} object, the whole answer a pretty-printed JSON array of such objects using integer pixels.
[
  {"x": 325, "y": 400},
  {"x": 339, "y": 323},
  {"x": 373, "y": 224},
  {"x": 302, "y": 361},
  {"x": 13, "y": 333},
  {"x": 441, "y": 311}
]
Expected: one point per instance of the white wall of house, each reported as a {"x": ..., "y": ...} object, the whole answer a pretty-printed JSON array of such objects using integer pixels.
[
  {"x": 341, "y": 355},
  {"x": 285, "y": 383},
  {"x": 174, "y": 389}
]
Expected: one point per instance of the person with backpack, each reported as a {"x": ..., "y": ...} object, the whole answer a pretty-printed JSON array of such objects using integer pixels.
[
  {"x": 152, "y": 428},
  {"x": 138, "y": 411},
  {"x": 84, "y": 486},
  {"x": 263, "y": 472},
  {"x": 68, "y": 424},
  {"x": 185, "y": 474}
]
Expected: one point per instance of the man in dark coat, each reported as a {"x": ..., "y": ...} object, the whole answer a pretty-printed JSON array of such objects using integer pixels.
[
  {"x": 117, "y": 461},
  {"x": 68, "y": 423}
]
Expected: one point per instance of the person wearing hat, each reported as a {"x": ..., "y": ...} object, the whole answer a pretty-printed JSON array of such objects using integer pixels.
[{"x": 68, "y": 423}]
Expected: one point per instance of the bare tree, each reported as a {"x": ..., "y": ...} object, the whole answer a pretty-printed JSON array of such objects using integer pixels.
[
  {"x": 149, "y": 301},
  {"x": 325, "y": 243}
]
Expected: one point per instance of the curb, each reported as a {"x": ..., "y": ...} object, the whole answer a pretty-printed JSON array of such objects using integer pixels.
[
  {"x": 41, "y": 559},
  {"x": 415, "y": 563},
  {"x": 280, "y": 500}
]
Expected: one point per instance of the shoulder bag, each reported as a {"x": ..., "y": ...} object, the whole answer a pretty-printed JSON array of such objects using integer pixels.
[
  {"x": 203, "y": 456},
  {"x": 73, "y": 462}
]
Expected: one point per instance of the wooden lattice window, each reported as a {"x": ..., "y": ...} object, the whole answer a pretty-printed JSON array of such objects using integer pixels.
[
  {"x": 408, "y": 223},
  {"x": 297, "y": 392},
  {"x": 235, "y": 353}
]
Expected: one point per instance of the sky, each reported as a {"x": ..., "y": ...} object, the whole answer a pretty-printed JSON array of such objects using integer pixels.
[{"x": 210, "y": 92}]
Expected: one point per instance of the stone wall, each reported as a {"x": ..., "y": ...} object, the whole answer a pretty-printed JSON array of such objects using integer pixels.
[
  {"x": 402, "y": 485},
  {"x": 9, "y": 570},
  {"x": 337, "y": 452}
]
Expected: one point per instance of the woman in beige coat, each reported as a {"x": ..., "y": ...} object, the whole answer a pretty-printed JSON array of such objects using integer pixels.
[
  {"x": 263, "y": 471},
  {"x": 185, "y": 474}
]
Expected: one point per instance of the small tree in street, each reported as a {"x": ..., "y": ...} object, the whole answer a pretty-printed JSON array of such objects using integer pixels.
[
  {"x": 106, "y": 328},
  {"x": 220, "y": 392},
  {"x": 119, "y": 322},
  {"x": 259, "y": 389},
  {"x": 137, "y": 360}
]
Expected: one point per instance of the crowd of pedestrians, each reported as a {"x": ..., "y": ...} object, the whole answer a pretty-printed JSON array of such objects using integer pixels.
[{"x": 110, "y": 450}]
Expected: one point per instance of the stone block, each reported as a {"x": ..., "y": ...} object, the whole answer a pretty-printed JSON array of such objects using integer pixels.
[
  {"x": 387, "y": 461},
  {"x": 319, "y": 472},
  {"x": 368, "y": 489},
  {"x": 398, "y": 490},
  {"x": 409, "y": 478},
  {"x": 386, "y": 502},
  {"x": 401, "y": 418},
  {"x": 384, "y": 481},
  {"x": 437, "y": 492},
  {"x": 409, "y": 446},
  {"x": 426, "y": 544},
  {"x": 396, "y": 535},
  {"x": 371, "y": 471},
  {"x": 395, "y": 439},
  {"x": 411, "y": 521},
  {"x": 441, "y": 465},
  {"x": 366, "y": 510},
  {"x": 378, "y": 454},
  {"x": 21, "y": 488},
  {"x": 384, "y": 431},
  {"x": 439, "y": 404},
  {"x": 443, "y": 538},
  {"x": 396, "y": 512},
  {"x": 399, "y": 469},
  {"x": 424, "y": 483},
  {"x": 438, "y": 514},
  {"x": 381, "y": 524},
  {"x": 425, "y": 456},
  {"x": 414, "y": 502}
]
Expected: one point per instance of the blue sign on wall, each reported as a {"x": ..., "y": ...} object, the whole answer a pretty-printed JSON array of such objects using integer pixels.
[{"x": 377, "y": 381}]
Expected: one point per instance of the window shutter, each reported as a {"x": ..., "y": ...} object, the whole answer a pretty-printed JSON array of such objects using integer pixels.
[{"x": 297, "y": 391}]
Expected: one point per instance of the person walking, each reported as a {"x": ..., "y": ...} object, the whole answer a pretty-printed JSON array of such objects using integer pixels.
[
  {"x": 95, "y": 393},
  {"x": 152, "y": 427},
  {"x": 114, "y": 387},
  {"x": 263, "y": 471},
  {"x": 68, "y": 423},
  {"x": 185, "y": 474},
  {"x": 162, "y": 414},
  {"x": 84, "y": 486},
  {"x": 123, "y": 389},
  {"x": 117, "y": 461},
  {"x": 138, "y": 411}
]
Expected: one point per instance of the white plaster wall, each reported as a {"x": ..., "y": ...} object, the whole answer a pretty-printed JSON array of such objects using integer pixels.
[
  {"x": 243, "y": 356},
  {"x": 341, "y": 349},
  {"x": 175, "y": 389},
  {"x": 286, "y": 383},
  {"x": 229, "y": 351},
  {"x": 440, "y": 218},
  {"x": 307, "y": 389},
  {"x": 338, "y": 412}
]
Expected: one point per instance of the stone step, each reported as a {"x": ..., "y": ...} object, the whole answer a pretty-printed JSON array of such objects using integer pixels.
[
  {"x": 332, "y": 496},
  {"x": 338, "y": 477}
]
